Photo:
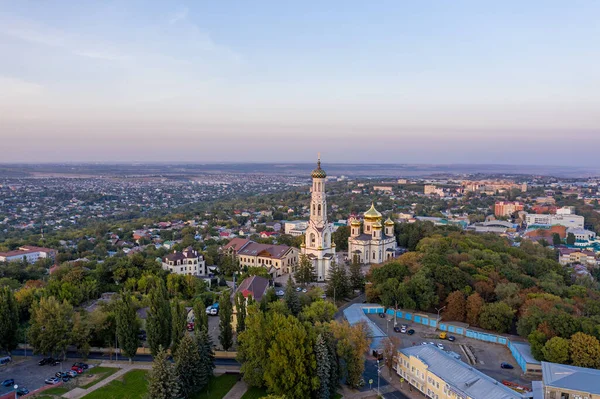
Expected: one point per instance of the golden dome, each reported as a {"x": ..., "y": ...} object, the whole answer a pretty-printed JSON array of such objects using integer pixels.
[
  {"x": 372, "y": 214},
  {"x": 389, "y": 222},
  {"x": 377, "y": 225},
  {"x": 355, "y": 222}
]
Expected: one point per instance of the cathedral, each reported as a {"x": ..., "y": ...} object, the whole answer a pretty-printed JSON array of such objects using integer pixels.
[
  {"x": 319, "y": 246},
  {"x": 375, "y": 242}
]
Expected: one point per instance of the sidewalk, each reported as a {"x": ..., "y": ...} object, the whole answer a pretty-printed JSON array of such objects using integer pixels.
[
  {"x": 80, "y": 392},
  {"x": 238, "y": 390}
]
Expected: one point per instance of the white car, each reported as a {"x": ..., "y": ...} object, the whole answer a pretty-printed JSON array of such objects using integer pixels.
[
  {"x": 403, "y": 329},
  {"x": 280, "y": 293},
  {"x": 441, "y": 346}
]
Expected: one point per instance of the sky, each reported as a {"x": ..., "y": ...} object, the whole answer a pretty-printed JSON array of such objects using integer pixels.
[{"x": 427, "y": 81}]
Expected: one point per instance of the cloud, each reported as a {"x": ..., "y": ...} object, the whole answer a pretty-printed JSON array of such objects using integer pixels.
[
  {"x": 101, "y": 55},
  {"x": 13, "y": 87},
  {"x": 178, "y": 15}
]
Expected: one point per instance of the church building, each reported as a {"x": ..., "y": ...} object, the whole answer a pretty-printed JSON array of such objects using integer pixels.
[
  {"x": 319, "y": 246},
  {"x": 374, "y": 242}
]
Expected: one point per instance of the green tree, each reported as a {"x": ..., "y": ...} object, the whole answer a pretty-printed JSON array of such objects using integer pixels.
[
  {"x": 162, "y": 379},
  {"x": 127, "y": 326},
  {"x": 240, "y": 306},
  {"x": 253, "y": 346},
  {"x": 323, "y": 368},
  {"x": 320, "y": 311},
  {"x": 340, "y": 238},
  {"x": 556, "y": 241},
  {"x": 225, "y": 319},
  {"x": 200, "y": 316},
  {"x": 584, "y": 350},
  {"x": 338, "y": 284},
  {"x": 496, "y": 316},
  {"x": 51, "y": 326},
  {"x": 305, "y": 273},
  {"x": 357, "y": 279},
  {"x": 9, "y": 320},
  {"x": 352, "y": 344},
  {"x": 395, "y": 295},
  {"x": 178, "y": 324},
  {"x": 291, "y": 366},
  {"x": 537, "y": 340},
  {"x": 81, "y": 333},
  {"x": 571, "y": 239},
  {"x": 188, "y": 366},
  {"x": 291, "y": 298},
  {"x": 207, "y": 356},
  {"x": 158, "y": 323},
  {"x": 556, "y": 350}
]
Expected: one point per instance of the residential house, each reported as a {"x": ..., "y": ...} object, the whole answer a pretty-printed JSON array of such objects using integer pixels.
[
  {"x": 188, "y": 262},
  {"x": 572, "y": 255},
  {"x": 278, "y": 259}
]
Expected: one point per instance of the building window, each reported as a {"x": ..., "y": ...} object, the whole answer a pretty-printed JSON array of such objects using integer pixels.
[
  {"x": 319, "y": 210},
  {"x": 312, "y": 238}
]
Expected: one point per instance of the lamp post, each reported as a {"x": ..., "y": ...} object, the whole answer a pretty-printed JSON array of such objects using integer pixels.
[
  {"x": 378, "y": 372},
  {"x": 438, "y": 311},
  {"x": 388, "y": 327},
  {"x": 16, "y": 394}
]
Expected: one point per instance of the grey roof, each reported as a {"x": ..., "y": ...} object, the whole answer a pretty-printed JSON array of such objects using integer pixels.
[
  {"x": 459, "y": 376},
  {"x": 571, "y": 377},
  {"x": 369, "y": 237},
  {"x": 525, "y": 350}
]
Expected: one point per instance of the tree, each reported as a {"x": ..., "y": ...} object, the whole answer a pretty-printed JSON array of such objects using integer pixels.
[
  {"x": 395, "y": 295},
  {"x": 240, "y": 305},
  {"x": 159, "y": 320},
  {"x": 127, "y": 326},
  {"x": 455, "y": 307},
  {"x": 305, "y": 274},
  {"x": 291, "y": 365},
  {"x": 537, "y": 340},
  {"x": 320, "y": 311},
  {"x": 474, "y": 306},
  {"x": 584, "y": 350},
  {"x": 225, "y": 317},
  {"x": 188, "y": 366},
  {"x": 357, "y": 279},
  {"x": 178, "y": 324},
  {"x": 207, "y": 356},
  {"x": 51, "y": 326},
  {"x": 340, "y": 237},
  {"x": 571, "y": 239},
  {"x": 9, "y": 320},
  {"x": 497, "y": 316},
  {"x": 253, "y": 345},
  {"x": 162, "y": 379},
  {"x": 291, "y": 298},
  {"x": 200, "y": 316},
  {"x": 81, "y": 333},
  {"x": 338, "y": 285},
  {"x": 556, "y": 241},
  {"x": 556, "y": 350},
  {"x": 323, "y": 368},
  {"x": 390, "y": 352},
  {"x": 352, "y": 344}
]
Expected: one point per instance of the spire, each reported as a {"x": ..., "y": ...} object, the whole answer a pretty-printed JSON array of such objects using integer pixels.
[{"x": 318, "y": 160}]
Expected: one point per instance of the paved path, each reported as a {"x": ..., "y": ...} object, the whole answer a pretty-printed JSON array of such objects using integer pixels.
[
  {"x": 80, "y": 392},
  {"x": 238, "y": 390}
]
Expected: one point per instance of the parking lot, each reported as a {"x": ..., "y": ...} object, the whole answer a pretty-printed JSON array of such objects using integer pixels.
[
  {"x": 489, "y": 356},
  {"x": 26, "y": 372}
]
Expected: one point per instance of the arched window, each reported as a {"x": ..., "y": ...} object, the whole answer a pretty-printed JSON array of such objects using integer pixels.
[
  {"x": 373, "y": 254},
  {"x": 319, "y": 210},
  {"x": 314, "y": 208},
  {"x": 326, "y": 239},
  {"x": 312, "y": 238}
]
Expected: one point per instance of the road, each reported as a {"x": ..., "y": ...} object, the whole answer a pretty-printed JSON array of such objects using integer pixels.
[{"x": 104, "y": 356}]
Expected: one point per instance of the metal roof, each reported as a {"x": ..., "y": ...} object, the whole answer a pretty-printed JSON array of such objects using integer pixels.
[
  {"x": 459, "y": 376},
  {"x": 571, "y": 377}
]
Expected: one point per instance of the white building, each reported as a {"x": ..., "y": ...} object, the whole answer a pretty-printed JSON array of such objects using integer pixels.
[
  {"x": 565, "y": 210},
  {"x": 582, "y": 234},
  {"x": 295, "y": 227},
  {"x": 567, "y": 220},
  {"x": 318, "y": 245},
  {"x": 28, "y": 253},
  {"x": 187, "y": 262},
  {"x": 374, "y": 244}
]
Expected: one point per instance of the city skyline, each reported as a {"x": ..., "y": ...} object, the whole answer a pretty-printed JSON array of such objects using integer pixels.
[{"x": 399, "y": 82}]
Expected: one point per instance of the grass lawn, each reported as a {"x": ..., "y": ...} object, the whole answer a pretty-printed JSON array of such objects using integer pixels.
[
  {"x": 133, "y": 386},
  {"x": 101, "y": 373},
  {"x": 56, "y": 391},
  {"x": 338, "y": 396},
  {"x": 255, "y": 393},
  {"x": 218, "y": 387}
]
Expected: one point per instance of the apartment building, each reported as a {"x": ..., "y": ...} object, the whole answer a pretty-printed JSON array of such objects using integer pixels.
[
  {"x": 507, "y": 208},
  {"x": 28, "y": 253},
  {"x": 278, "y": 259},
  {"x": 188, "y": 262}
]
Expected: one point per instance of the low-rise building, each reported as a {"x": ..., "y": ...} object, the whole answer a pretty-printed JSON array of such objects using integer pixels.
[
  {"x": 572, "y": 255},
  {"x": 582, "y": 234},
  {"x": 437, "y": 374},
  {"x": 188, "y": 262},
  {"x": 278, "y": 259},
  {"x": 567, "y": 220},
  {"x": 29, "y": 254},
  {"x": 562, "y": 381}
]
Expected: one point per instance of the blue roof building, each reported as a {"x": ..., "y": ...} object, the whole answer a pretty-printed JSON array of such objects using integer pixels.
[{"x": 562, "y": 381}]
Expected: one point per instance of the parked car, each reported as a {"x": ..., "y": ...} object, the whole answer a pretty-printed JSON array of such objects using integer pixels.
[
  {"x": 304, "y": 290},
  {"x": 45, "y": 361},
  {"x": 451, "y": 338},
  {"x": 190, "y": 326},
  {"x": 397, "y": 329},
  {"x": 506, "y": 366},
  {"x": 382, "y": 315},
  {"x": 79, "y": 370},
  {"x": 441, "y": 346},
  {"x": 66, "y": 378},
  {"x": 9, "y": 382},
  {"x": 403, "y": 328},
  {"x": 377, "y": 354},
  {"x": 410, "y": 332},
  {"x": 60, "y": 374},
  {"x": 22, "y": 391},
  {"x": 52, "y": 381},
  {"x": 72, "y": 373},
  {"x": 443, "y": 335},
  {"x": 142, "y": 336},
  {"x": 323, "y": 296},
  {"x": 298, "y": 289},
  {"x": 280, "y": 293},
  {"x": 81, "y": 364}
]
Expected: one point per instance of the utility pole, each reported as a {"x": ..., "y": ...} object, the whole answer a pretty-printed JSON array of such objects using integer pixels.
[{"x": 438, "y": 312}]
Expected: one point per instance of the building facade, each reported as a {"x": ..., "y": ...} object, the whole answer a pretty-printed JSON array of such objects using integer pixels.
[
  {"x": 569, "y": 382},
  {"x": 188, "y": 262},
  {"x": 277, "y": 259},
  {"x": 568, "y": 256},
  {"x": 567, "y": 220},
  {"x": 507, "y": 208},
  {"x": 318, "y": 245},
  {"x": 372, "y": 242},
  {"x": 28, "y": 254}
]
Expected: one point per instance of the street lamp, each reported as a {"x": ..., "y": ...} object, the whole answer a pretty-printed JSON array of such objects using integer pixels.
[
  {"x": 16, "y": 387},
  {"x": 388, "y": 327},
  {"x": 439, "y": 310},
  {"x": 378, "y": 372}
]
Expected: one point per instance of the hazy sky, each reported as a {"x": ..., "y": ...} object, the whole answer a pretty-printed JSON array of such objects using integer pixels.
[{"x": 418, "y": 81}]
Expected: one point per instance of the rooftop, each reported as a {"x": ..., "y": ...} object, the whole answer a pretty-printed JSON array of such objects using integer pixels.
[
  {"x": 460, "y": 377},
  {"x": 571, "y": 377}
]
